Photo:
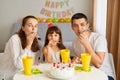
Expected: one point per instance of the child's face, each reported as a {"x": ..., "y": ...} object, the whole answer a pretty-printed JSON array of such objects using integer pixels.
[{"x": 54, "y": 38}]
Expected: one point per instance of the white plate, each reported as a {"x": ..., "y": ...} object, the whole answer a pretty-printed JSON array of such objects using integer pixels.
[{"x": 54, "y": 77}]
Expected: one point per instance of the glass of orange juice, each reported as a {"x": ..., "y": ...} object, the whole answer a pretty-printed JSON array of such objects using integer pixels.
[
  {"x": 86, "y": 58},
  {"x": 27, "y": 64},
  {"x": 65, "y": 55}
]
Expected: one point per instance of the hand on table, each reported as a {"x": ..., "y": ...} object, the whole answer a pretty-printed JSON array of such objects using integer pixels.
[
  {"x": 38, "y": 64},
  {"x": 76, "y": 60}
]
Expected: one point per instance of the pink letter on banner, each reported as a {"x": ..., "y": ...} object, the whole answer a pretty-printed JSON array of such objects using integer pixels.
[{"x": 47, "y": 4}]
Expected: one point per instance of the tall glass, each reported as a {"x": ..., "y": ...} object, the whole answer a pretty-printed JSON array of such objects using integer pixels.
[
  {"x": 86, "y": 58},
  {"x": 27, "y": 63},
  {"x": 65, "y": 55}
]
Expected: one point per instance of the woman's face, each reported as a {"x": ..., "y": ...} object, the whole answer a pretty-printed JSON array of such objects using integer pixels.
[{"x": 31, "y": 26}]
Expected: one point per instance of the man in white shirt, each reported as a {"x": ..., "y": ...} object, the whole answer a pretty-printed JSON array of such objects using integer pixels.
[{"x": 90, "y": 42}]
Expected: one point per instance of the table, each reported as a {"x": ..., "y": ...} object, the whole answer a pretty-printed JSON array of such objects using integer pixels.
[{"x": 95, "y": 74}]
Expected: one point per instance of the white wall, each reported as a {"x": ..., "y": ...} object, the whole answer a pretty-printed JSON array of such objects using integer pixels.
[{"x": 12, "y": 11}]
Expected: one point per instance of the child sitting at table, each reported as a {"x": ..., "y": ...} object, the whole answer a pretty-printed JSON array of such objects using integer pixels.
[{"x": 53, "y": 44}]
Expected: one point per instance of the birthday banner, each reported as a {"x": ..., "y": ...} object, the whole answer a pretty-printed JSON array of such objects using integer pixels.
[{"x": 57, "y": 8}]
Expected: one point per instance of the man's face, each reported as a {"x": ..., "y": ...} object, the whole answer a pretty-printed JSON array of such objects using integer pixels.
[{"x": 79, "y": 26}]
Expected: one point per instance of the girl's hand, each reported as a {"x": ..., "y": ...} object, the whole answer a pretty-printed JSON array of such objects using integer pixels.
[{"x": 52, "y": 42}]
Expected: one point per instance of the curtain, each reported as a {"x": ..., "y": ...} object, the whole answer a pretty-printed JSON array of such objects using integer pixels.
[{"x": 113, "y": 32}]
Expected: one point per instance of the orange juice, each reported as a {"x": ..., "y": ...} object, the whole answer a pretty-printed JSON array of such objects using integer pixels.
[
  {"x": 86, "y": 58},
  {"x": 65, "y": 55},
  {"x": 27, "y": 63}
]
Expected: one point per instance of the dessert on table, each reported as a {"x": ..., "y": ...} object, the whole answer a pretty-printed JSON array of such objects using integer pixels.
[{"x": 61, "y": 71}]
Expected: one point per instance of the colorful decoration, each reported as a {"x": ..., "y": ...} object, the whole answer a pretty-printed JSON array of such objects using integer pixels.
[
  {"x": 67, "y": 20},
  {"x": 49, "y": 20},
  {"x": 43, "y": 19},
  {"x": 55, "y": 20},
  {"x": 57, "y": 8},
  {"x": 39, "y": 20},
  {"x": 61, "y": 20}
]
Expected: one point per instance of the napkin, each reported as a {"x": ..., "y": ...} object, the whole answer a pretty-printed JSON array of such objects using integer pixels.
[
  {"x": 79, "y": 69},
  {"x": 36, "y": 71}
]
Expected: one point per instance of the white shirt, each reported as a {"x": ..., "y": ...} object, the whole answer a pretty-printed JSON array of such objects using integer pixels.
[
  {"x": 11, "y": 61},
  {"x": 99, "y": 44},
  {"x": 55, "y": 56}
]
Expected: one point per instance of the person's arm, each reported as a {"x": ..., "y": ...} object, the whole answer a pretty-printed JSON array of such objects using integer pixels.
[
  {"x": 14, "y": 50},
  {"x": 75, "y": 59},
  {"x": 37, "y": 58},
  {"x": 47, "y": 54},
  {"x": 97, "y": 57}
]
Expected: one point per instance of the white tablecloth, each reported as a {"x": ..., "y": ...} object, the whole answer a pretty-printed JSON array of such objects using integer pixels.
[{"x": 95, "y": 74}]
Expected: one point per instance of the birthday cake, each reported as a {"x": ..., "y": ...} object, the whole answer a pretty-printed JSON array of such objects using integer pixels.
[{"x": 61, "y": 71}]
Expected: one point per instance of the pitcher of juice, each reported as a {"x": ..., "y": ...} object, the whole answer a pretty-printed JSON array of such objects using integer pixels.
[
  {"x": 65, "y": 55},
  {"x": 27, "y": 64}
]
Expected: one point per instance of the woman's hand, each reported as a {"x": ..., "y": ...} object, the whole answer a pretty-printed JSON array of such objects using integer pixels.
[{"x": 30, "y": 38}]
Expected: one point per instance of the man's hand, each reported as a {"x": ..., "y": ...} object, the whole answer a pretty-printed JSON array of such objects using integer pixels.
[
  {"x": 83, "y": 38},
  {"x": 76, "y": 60}
]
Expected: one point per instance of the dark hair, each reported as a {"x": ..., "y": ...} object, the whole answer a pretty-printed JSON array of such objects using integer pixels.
[
  {"x": 51, "y": 30},
  {"x": 35, "y": 45},
  {"x": 79, "y": 16},
  {"x": 26, "y": 18}
]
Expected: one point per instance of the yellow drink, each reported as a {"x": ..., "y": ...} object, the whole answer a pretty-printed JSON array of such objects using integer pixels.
[
  {"x": 65, "y": 55},
  {"x": 27, "y": 63},
  {"x": 86, "y": 58}
]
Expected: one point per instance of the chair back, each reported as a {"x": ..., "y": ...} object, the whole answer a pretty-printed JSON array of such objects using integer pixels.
[{"x": 112, "y": 64}]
